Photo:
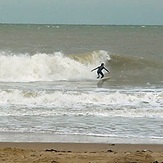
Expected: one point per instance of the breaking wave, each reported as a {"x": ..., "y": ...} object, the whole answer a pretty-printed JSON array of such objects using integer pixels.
[
  {"x": 48, "y": 67},
  {"x": 58, "y": 66}
]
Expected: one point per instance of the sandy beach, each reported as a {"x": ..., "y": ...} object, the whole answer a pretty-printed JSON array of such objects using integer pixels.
[{"x": 80, "y": 152}]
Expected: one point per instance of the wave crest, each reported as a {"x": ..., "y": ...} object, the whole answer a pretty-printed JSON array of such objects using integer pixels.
[{"x": 49, "y": 67}]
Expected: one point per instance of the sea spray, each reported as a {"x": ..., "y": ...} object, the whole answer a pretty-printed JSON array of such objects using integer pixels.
[{"x": 47, "y": 67}]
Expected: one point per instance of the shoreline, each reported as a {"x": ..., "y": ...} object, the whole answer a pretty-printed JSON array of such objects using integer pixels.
[
  {"x": 55, "y": 138},
  {"x": 83, "y": 147},
  {"x": 79, "y": 152}
]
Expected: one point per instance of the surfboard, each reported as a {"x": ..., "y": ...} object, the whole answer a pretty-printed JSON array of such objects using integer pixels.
[
  {"x": 102, "y": 81},
  {"x": 105, "y": 78}
]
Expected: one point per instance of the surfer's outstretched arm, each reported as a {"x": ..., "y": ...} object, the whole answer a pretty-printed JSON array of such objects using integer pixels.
[
  {"x": 94, "y": 69},
  {"x": 106, "y": 69}
]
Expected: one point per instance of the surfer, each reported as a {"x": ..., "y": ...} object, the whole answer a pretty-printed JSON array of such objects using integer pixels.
[{"x": 99, "y": 70}]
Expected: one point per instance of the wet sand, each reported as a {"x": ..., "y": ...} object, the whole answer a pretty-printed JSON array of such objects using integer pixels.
[{"x": 80, "y": 153}]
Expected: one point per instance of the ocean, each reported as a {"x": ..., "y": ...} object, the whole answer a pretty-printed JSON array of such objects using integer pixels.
[{"x": 49, "y": 94}]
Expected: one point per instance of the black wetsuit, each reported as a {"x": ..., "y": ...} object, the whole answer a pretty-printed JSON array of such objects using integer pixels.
[{"x": 99, "y": 71}]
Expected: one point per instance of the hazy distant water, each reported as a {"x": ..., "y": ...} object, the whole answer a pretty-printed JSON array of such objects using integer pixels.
[
  {"x": 125, "y": 40},
  {"x": 46, "y": 85}
]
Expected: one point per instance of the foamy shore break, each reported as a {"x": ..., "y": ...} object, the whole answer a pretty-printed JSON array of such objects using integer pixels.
[{"x": 80, "y": 152}]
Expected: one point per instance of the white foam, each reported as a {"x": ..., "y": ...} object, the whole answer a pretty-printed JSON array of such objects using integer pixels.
[
  {"x": 47, "y": 67},
  {"x": 62, "y": 102}
]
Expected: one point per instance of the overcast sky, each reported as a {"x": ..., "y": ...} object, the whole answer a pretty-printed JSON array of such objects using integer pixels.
[{"x": 119, "y": 12}]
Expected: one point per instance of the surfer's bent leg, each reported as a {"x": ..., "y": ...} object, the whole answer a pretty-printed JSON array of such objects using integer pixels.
[
  {"x": 98, "y": 75},
  {"x": 102, "y": 75}
]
